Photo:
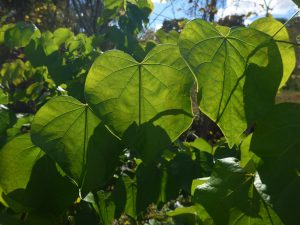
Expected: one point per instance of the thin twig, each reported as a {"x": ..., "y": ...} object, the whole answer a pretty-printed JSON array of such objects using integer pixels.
[
  {"x": 295, "y": 14},
  {"x": 288, "y": 42}
]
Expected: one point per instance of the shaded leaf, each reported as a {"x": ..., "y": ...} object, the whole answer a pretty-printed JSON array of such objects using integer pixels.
[
  {"x": 3, "y": 97},
  {"x": 153, "y": 91},
  {"x": 105, "y": 208},
  {"x": 70, "y": 133},
  {"x": 20, "y": 35},
  {"x": 276, "y": 142},
  {"x": 270, "y": 26},
  {"x": 6, "y": 219},
  {"x": 219, "y": 57},
  {"x": 17, "y": 159},
  {"x": 197, "y": 213},
  {"x": 232, "y": 196},
  {"x": 201, "y": 145},
  {"x": 124, "y": 195},
  {"x": 47, "y": 190}
]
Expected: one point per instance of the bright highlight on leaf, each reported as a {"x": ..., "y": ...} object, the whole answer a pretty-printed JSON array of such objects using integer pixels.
[
  {"x": 270, "y": 26},
  {"x": 219, "y": 58},
  {"x": 17, "y": 159},
  {"x": 124, "y": 92},
  {"x": 63, "y": 128}
]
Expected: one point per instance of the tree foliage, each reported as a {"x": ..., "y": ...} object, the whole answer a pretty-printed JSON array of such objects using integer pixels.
[{"x": 93, "y": 135}]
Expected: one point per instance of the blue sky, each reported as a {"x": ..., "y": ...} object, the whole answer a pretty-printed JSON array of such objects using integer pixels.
[{"x": 174, "y": 9}]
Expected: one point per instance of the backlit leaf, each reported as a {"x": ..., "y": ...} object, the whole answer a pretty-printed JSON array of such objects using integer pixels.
[
  {"x": 219, "y": 57},
  {"x": 63, "y": 129},
  {"x": 270, "y": 26},
  {"x": 154, "y": 93}
]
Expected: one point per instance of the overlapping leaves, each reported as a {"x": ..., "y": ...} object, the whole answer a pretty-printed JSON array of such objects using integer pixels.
[
  {"x": 142, "y": 100},
  {"x": 63, "y": 128},
  {"x": 280, "y": 34},
  {"x": 222, "y": 60},
  {"x": 231, "y": 196},
  {"x": 30, "y": 180},
  {"x": 276, "y": 142},
  {"x": 147, "y": 104}
]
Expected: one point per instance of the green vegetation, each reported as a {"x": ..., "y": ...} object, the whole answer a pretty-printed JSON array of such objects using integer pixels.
[{"x": 97, "y": 129}]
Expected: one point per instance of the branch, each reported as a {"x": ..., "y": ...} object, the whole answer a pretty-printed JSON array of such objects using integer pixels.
[
  {"x": 295, "y": 14},
  {"x": 288, "y": 42}
]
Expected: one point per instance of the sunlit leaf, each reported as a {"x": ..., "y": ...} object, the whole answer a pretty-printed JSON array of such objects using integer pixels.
[
  {"x": 63, "y": 129},
  {"x": 220, "y": 58},
  {"x": 141, "y": 98},
  {"x": 20, "y": 35},
  {"x": 270, "y": 26}
]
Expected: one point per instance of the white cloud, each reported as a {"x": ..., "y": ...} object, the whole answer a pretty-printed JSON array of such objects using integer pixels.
[
  {"x": 158, "y": 26},
  {"x": 159, "y": 1},
  {"x": 278, "y": 8}
]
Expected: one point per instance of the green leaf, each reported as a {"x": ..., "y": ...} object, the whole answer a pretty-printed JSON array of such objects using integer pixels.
[
  {"x": 249, "y": 161},
  {"x": 200, "y": 144},
  {"x": 85, "y": 215},
  {"x": 7, "y": 219},
  {"x": 197, "y": 182},
  {"x": 278, "y": 133},
  {"x": 142, "y": 4},
  {"x": 112, "y": 7},
  {"x": 232, "y": 196},
  {"x": 48, "y": 191},
  {"x": 105, "y": 208},
  {"x": 38, "y": 218},
  {"x": 197, "y": 212},
  {"x": 31, "y": 181},
  {"x": 270, "y": 26},
  {"x": 3, "y": 29},
  {"x": 124, "y": 93},
  {"x": 167, "y": 37},
  {"x": 219, "y": 57},
  {"x": 13, "y": 73},
  {"x": 149, "y": 185},
  {"x": 72, "y": 135},
  {"x": 17, "y": 159},
  {"x": 7, "y": 120},
  {"x": 61, "y": 35},
  {"x": 276, "y": 141},
  {"x": 48, "y": 43},
  {"x": 20, "y": 35},
  {"x": 62, "y": 129},
  {"x": 103, "y": 154},
  {"x": 181, "y": 171},
  {"x": 125, "y": 196}
]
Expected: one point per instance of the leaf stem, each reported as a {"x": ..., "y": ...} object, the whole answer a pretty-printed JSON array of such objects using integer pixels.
[
  {"x": 288, "y": 42},
  {"x": 140, "y": 95},
  {"x": 286, "y": 23}
]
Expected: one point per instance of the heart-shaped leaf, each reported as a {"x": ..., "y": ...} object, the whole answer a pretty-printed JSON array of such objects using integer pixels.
[
  {"x": 276, "y": 141},
  {"x": 270, "y": 26},
  {"x": 30, "y": 179},
  {"x": 20, "y": 35},
  {"x": 125, "y": 93},
  {"x": 63, "y": 129},
  {"x": 219, "y": 57},
  {"x": 277, "y": 134},
  {"x": 17, "y": 159},
  {"x": 232, "y": 196}
]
